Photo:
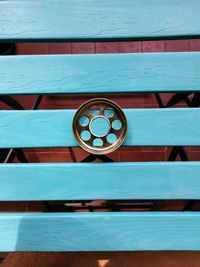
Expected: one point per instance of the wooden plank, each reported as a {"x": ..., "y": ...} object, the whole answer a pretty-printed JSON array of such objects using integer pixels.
[
  {"x": 105, "y": 73},
  {"x": 99, "y": 231},
  {"x": 89, "y": 181},
  {"x": 53, "y": 128},
  {"x": 75, "y": 20}
]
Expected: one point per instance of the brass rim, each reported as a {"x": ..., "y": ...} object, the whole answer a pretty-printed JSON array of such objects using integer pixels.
[{"x": 112, "y": 115}]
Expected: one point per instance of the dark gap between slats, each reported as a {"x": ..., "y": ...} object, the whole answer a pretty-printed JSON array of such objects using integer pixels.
[
  {"x": 122, "y": 154},
  {"x": 125, "y": 100},
  {"x": 100, "y": 206}
]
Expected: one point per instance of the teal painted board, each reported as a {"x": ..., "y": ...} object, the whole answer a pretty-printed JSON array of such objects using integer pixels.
[
  {"x": 100, "y": 181},
  {"x": 100, "y": 231},
  {"x": 100, "y": 73},
  {"x": 77, "y": 20},
  {"x": 53, "y": 128}
]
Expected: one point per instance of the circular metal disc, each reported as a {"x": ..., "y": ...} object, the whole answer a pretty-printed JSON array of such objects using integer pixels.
[{"x": 99, "y": 126}]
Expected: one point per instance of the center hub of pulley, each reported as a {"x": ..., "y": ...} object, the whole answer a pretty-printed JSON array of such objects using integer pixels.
[{"x": 99, "y": 126}]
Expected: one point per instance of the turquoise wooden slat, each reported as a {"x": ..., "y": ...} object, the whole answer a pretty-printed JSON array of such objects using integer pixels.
[
  {"x": 100, "y": 231},
  {"x": 89, "y": 181},
  {"x": 74, "y": 20},
  {"x": 118, "y": 73},
  {"x": 53, "y": 128}
]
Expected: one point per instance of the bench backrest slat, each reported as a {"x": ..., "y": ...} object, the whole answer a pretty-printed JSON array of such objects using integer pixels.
[
  {"x": 119, "y": 73},
  {"x": 82, "y": 20},
  {"x": 53, "y": 128},
  {"x": 65, "y": 181},
  {"x": 100, "y": 231}
]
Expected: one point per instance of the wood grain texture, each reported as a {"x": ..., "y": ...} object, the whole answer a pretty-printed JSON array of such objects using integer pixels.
[
  {"x": 73, "y": 20},
  {"x": 90, "y": 181},
  {"x": 104, "y": 259},
  {"x": 99, "y": 231},
  {"x": 105, "y": 73},
  {"x": 53, "y": 128}
]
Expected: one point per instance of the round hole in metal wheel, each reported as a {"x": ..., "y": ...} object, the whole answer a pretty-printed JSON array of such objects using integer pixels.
[
  {"x": 99, "y": 126},
  {"x": 116, "y": 125},
  {"x": 98, "y": 142},
  {"x": 109, "y": 113},
  {"x": 85, "y": 135},
  {"x": 94, "y": 110},
  {"x": 84, "y": 120},
  {"x": 111, "y": 138}
]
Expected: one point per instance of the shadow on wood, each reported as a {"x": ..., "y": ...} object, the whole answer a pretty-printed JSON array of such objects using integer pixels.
[{"x": 100, "y": 259}]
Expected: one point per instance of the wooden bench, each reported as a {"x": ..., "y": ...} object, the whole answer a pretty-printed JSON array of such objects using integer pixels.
[{"x": 77, "y": 20}]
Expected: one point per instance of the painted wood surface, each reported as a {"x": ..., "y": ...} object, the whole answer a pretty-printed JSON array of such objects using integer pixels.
[
  {"x": 99, "y": 231},
  {"x": 101, "y": 181},
  {"x": 74, "y": 20},
  {"x": 53, "y": 128},
  {"x": 105, "y": 73}
]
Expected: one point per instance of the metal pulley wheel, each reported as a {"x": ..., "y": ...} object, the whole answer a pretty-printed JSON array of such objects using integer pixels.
[{"x": 99, "y": 126}]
